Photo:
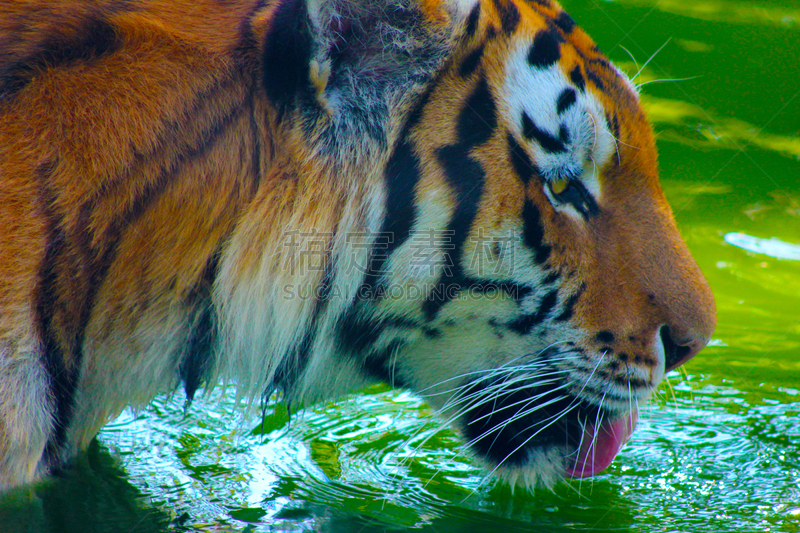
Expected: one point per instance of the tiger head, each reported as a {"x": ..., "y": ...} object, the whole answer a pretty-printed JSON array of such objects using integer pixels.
[{"x": 493, "y": 237}]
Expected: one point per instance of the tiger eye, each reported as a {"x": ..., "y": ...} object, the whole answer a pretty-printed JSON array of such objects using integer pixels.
[{"x": 559, "y": 185}]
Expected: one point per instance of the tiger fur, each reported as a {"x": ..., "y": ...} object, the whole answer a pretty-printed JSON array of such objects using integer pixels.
[{"x": 458, "y": 197}]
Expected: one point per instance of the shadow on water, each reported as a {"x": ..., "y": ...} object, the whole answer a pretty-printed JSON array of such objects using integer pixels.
[{"x": 92, "y": 496}]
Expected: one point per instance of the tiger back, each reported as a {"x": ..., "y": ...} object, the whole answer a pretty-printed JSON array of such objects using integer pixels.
[{"x": 457, "y": 197}]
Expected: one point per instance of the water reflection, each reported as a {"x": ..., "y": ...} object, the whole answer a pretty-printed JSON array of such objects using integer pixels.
[
  {"x": 701, "y": 130},
  {"x": 772, "y": 247},
  {"x": 93, "y": 496},
  {"x": 728, "y": 11}
]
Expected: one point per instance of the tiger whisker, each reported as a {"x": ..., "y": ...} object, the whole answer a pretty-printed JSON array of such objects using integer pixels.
[
  {"x": 530, "y": 381},
  {"x": 490, "y": 395},
  {"x": 449, "y": 420},
  {"x": 489, "y": 376},
  {"x": 666, "y": 79},
  {"x": 506, "y": 365},
  {"x": 585, "y": 383},
  {"x": 520, "y": 413},
  {"x": 636, "y": 63},
  {"x": 552, "y": 419},
  {"x": 499, "y": 429},
  {"x": 594, "y": 126},
  {"x": 573, "y": 403},
  {"x": 633, "y": 80},
  {"x": 620, "y": 142},
  {"x": 597, "y": 422},
  {"x": 470, "y": 406},
  {"x": 580, "y": 446},
  {"x": 485, "y": 434}
]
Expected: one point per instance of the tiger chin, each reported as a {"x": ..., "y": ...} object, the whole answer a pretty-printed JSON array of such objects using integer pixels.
[{"x": 456, "y": 197}]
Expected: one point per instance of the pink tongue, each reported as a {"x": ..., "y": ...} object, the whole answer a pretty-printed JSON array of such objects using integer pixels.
[{"x": 600, "y": 445}]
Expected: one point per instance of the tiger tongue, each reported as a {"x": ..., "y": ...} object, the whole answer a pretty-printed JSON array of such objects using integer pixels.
[{"x": 600, "y": 445}]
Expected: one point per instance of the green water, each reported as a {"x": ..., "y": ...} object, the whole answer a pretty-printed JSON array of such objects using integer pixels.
[{"x": 717, "y": 450}]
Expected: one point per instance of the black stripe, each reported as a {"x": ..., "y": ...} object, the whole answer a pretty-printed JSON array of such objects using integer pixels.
[
  {"x": 563, "y": 134},
  {"x": 196, "y": 365},
  {"x": 96, "y": 39},
  {"x": 613, "y": 120},
  {"x": 326, "y": 283},
  {"x": 472, "y": 20},
  {"x": 466, "y": 176},
  {"x": 292, "y": 366},
  {"x": 604, "y": 337},
  {"x": 255, "y": 165},
  {"x": 566, "y": 99},
  {"x": 545, "y": 50},
  {"x": 246, "y": 48},
  {"x": 533, "y": 232},
  {"x": 548, "y": 303},
  {"x": 551, "y": 278},
  {"x": 176, "y": 129},
  {"x": 596, "y": 80},
  {"x": 62, "y": 378},
  {"x": 477, "y": 120},
  {"x": 432, "y": 333},
  {"x": 401, "y": 176},
  {"x": 415, "y": 116},
  {"x": 471, "y": 62},
  {"x": 142, "y": 202},
  {"x": 577, "y": 78},
  {"x": 509, "y": 15},
  {"x": 358, "y": 335},
  {"x": 524, "y": 167},
  {"x": 526, "y": 323},
  {"x": 548, "y": 143},
  {"x": 569, "y": 305},
  {"x": 603, "y": 62},
  {"x": 564, "y": 22},
  {"x": 580, "y": 198}
]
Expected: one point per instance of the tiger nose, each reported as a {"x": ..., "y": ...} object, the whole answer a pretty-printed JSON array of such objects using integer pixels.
[{"x": 679, "y": 348}]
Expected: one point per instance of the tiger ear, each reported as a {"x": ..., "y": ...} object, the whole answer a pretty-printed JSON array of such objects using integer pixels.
[
  {"x": 348, "y": 61},
  {"x": 287, "y": 52}
]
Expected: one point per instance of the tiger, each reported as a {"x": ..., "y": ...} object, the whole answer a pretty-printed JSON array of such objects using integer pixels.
[{"x": 459, "y": 198}]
